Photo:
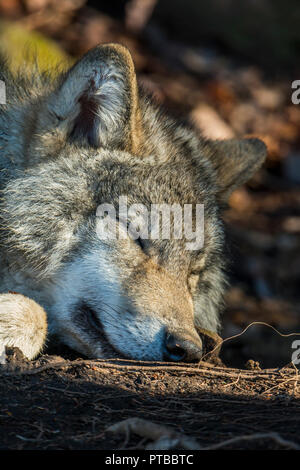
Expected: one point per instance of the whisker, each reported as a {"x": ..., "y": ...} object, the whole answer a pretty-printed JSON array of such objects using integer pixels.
[{"x": 118, "y": 312}]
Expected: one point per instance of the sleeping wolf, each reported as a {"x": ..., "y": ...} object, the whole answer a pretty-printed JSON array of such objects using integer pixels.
[{"x": 71, "y": 143}]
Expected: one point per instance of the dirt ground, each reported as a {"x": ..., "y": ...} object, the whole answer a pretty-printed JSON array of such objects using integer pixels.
[
  {"x": 62, "y": 402},
  {"x": 55, "y": 403}
]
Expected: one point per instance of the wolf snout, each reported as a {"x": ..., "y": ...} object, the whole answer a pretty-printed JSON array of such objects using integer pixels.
[{"x": 178, "y": 348}]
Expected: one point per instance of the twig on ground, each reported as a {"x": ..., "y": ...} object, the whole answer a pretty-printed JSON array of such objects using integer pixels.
[
  {"x": 219, "y": 345},
  {"x": 268, "y": 435},
  {"x": 163, "y": 437},
  {"x": 235, "y": 382},
  {"x": 202, "y": 369}
]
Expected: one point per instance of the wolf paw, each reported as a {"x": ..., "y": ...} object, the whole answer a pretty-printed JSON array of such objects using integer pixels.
[{"x": 23, "y": 324}]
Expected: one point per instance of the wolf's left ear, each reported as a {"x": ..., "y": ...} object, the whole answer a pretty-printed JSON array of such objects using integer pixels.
[
  {"x": 97, "y": 102},
  {"x": 235, "y": 161}
]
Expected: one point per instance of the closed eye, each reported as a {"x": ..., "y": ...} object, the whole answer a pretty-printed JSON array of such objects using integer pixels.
[{"x": 140, "y": 242}]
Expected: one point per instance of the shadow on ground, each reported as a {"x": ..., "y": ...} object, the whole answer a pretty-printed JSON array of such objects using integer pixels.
[{"x": 55, "y": 403}]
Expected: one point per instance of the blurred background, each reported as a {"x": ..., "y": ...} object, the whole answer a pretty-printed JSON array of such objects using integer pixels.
[{"x": 228, "y": 66}]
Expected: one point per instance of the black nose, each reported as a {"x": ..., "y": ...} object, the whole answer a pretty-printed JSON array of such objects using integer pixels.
[{"x": 178, "y": 348}]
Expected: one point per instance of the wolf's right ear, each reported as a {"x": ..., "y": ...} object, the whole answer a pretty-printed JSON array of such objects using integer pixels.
[
  {"x": 235, "y": 161},
  {"x": 97, "y": 102}
]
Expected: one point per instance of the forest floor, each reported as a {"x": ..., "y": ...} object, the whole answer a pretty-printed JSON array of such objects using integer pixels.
[{"x": 56, "y": 403}]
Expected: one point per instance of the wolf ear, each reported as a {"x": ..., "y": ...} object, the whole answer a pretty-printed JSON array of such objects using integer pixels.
[
  {"x": 235, "y": 161},
  {"x": 96, "y": 103}
]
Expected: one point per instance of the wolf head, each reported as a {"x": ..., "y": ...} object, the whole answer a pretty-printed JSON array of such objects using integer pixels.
[{"x": 90, "y": 138}]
